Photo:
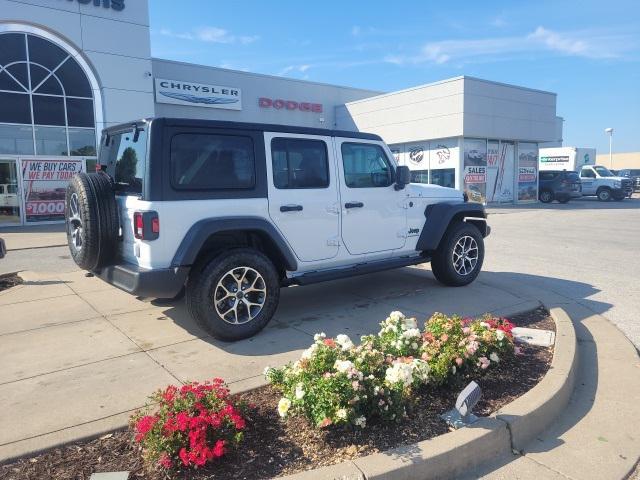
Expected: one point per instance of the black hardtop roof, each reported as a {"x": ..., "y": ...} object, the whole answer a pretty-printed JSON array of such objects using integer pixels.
[{"x": 200, "y": 123}]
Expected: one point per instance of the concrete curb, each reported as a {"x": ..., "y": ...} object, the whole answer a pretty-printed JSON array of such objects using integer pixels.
[{"x": 454, "y": 453}]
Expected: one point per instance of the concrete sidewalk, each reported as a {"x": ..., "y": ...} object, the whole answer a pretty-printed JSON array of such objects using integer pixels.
[{"x": 34, "y": 236}]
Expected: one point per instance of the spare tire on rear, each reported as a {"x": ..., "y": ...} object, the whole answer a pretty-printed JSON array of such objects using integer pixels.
[{"x": 91, "y": 215}]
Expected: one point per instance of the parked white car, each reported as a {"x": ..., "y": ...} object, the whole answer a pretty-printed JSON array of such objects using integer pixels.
[
  {"x": 8, "y": 197},
  {"x": 600, "y": 182},
  {"x": 230, "y": 212}
]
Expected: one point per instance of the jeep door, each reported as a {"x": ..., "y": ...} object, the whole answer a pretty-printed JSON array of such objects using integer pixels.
[
  {"x": 374, "y": 217},
  {"x": 303, "y": 193}
]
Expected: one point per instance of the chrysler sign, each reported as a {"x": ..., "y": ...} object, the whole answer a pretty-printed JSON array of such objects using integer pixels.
[{"x": 178, "y": 92}]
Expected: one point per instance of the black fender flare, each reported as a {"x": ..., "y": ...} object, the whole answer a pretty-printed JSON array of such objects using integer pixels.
[
  {"x": 200, "y": 232},
  {"x": 439, "y": 217}
]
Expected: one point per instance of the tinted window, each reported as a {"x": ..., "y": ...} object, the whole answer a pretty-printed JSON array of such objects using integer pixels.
[
  {"x": 12, "y": 48},
  {"x": 51, "y": 141},
  {"x": 82, "y": 141},
  {"x": 48, "y": 110},
  {"x": 74, "y": 80},
  {"x": 366, "y": 166},
  {"x": 8, "y": 83},
  {"x": 547, "y": 176},
  {"x": 572, "y": 176},
  {"x": 299, "y": 163},
  {"x": 80, "y": 112},
  {"x": 419, "y": 176},
  {"x": 125, "y": 157},
  {"x": 45, "y": 53},
  {"x": 587, "y": 173},
  {"x": 15, "y": 108},
  {"x": 202, "y": 161},
  {"x": 445, "y": 177}
]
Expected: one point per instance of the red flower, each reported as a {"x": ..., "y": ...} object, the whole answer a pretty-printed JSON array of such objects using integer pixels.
[
  {"x": 165, "y": 460},
  {"x": 329, "y": 342},
  {"x": 144, "y": 426},
  {"x": 184, "y": 456},
  {"x": 218, "y": 450}
]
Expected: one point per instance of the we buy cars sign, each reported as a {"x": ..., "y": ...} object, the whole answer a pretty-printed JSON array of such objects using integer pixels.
[{"x": 45, "y": 182}]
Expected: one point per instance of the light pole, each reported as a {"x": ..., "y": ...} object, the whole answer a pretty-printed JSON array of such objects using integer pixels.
[{"x": 610, "y": 132}]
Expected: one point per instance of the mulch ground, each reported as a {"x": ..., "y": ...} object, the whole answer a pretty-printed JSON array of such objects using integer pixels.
[
  {"x": 9, "y": 280},
  {"x": 273, "y": 447}
]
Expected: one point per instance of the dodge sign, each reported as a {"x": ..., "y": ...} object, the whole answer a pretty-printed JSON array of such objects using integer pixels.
[{"x": 191, "y": 94}]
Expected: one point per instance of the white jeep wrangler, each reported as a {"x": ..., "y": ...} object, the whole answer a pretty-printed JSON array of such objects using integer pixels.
[
  {"x": 231, "y": 212},
  {"x": 600, "y": 182}
]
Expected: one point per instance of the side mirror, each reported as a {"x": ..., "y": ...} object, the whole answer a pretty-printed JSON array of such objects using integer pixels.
[
  {"x": 403, "y": 177},
  {"x": 3, "y": 248}
]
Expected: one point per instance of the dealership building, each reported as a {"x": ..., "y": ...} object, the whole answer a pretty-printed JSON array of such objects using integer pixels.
[{"x": 69, "y": 68}]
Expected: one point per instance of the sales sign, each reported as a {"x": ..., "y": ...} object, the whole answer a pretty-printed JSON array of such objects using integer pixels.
[
  {"x": 45, "y": 183},
  {"x": 475, "y": 174}
]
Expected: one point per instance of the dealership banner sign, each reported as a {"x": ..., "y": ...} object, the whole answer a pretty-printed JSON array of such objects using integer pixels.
[
  {"x": 475, "y": 169},
  {"x": 178, "y": 92},
  {"x": 45, "y": 184},
  {"x": 527, "y": 172}
]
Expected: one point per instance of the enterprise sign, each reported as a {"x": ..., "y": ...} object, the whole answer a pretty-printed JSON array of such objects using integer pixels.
[
  {"x": 178, "y": 92},
  {"x": 117, "y": 5}
]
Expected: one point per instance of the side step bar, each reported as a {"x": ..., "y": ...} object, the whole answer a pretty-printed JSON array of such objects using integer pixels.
[{"x": 360, "y": 269}]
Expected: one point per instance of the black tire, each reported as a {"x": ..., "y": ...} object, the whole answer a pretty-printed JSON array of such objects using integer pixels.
[
  {"x": 202, "y": 287},
  {"x": 442, "y": 261},
  {"x": 604, "y": 194},
  {"x": 91, "y": 217},
  {"x": 546, "y": 196}
]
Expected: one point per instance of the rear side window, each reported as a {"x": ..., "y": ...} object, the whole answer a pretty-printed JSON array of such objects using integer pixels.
[
  {"x": 547, "y": 176},
  {"x": 212, "y": 162},
  {"x": 366, "y": 166},
  {"x": 299, "y": 163},
  {"x": 572, "y": 176},
  {"x": 125, "y": 155}
]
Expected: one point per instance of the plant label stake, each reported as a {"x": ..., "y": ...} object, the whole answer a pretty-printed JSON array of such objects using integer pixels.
[{"x": 461, "y": 415}]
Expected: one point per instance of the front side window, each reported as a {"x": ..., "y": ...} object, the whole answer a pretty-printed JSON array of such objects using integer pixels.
[
  {"x": 603, "y": 172},
  {"x": 212, "y": 162},
  {"x": 299, "y": 163},
  {"x": 587, "y": 173},
  {"x": 366, "y": 166},
  {"x": 125, "y": 154}
]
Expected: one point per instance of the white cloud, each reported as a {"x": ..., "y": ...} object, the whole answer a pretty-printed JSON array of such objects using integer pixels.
[
  {"x": 294, "y": 69},
  {"x": 210, "y": 35},
  {"x": 587, "y": 44}
]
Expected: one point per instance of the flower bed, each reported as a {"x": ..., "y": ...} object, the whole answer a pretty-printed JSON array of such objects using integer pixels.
[{"x": 275, "y": 446}]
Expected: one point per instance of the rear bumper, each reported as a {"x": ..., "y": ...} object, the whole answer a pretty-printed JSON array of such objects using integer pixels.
[{"x": 142, "y": 282}]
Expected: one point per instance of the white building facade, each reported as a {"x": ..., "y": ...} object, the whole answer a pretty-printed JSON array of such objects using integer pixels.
[{"x": 69, "y": 68}]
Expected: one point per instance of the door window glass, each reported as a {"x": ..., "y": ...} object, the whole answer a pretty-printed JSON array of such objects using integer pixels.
[
  {"x": 125, "y": 155},
  {"x": 587, "y": 174},
  {"x": 299, "y": 163},
  {"x": 212, "y": 162},
  {"x": 366, "y": 166},
  {"x": 445, "y": 177}
]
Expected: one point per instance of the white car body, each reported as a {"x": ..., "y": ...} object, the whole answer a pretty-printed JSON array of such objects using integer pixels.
[{"x": 593, "y": 182}]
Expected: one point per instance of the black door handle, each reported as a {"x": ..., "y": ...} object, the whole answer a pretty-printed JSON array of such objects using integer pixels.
[
  {"x": 353, "y": 205},
  {"x": 291, "y": 208}
]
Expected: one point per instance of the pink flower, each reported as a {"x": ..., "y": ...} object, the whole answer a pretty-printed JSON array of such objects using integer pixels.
[
  {"x": 459, "y": 361},
  {"x": 444, "y": 337},
  {"x": 355, "y": 384},
  {"x": 484, "y": 362}
]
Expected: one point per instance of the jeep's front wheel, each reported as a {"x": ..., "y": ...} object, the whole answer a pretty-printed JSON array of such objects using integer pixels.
[
  {"x": 234, "y": 295},
  {"x": 458, "y": 259}
]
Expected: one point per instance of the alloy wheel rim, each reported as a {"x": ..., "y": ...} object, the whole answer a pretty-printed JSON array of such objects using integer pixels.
[
  {"x": 465, "y": 255},
  {"x": 75, "y": 222},
  {"x": 240, "y": 295}
]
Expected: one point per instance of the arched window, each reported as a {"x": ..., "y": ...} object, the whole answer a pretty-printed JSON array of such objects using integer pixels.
[{"x": 46, "y": 100}]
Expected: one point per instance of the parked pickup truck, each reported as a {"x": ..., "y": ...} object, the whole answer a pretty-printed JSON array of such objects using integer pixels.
[
  {"x": 600, "y": 182},
  {"x": 8, "y": 197}
]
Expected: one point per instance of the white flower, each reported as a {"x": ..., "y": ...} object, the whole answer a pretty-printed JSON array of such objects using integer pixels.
[
  {"x": 411, "y": 333},
  {"x": 344, "y": 341},
  {"x": 360, "y": 422},
  {"x": 414, "y": 345},
  {"x": 453, "y": 369},
  {"x": 396, "y": 316},
  {"x": 399, "y": 373},
  {"x": 283, "y": 406},
  {"x": 485, "y": 325},
  {"x": 266, "y": 371},
  {"x": 420, "y": 369},
  {"x": 299, "y": 391},
  {"x": 319, "y": 336},
  {"x": 308, "y": 353},
  {"x": 494, "y": 356},
  {"x": 341, "y": 414},
  {"x": 343, "y": 366},
  {"x": 499, "y": 335}
]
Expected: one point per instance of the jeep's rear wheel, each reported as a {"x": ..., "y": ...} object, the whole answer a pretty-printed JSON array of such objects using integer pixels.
[
  {"x": 234, "y": 295},
  {"x": 458, "y": 259}
]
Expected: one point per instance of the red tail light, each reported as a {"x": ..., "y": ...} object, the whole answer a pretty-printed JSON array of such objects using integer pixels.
[{"x": 146, "y": 225}]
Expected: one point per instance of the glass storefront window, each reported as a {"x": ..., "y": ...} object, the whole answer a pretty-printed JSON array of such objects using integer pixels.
[
  {"x": 82, "y": 142},
  {"x": 16, "y": 139},
  {"x": 35, "y": 72},
  {"x": 445, "y": 177},
  {"x": 51, "y": 141},
  {"x": 419, "y": 176}
]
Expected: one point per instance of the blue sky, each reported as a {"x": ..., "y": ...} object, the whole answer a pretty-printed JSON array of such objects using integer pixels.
[{"x": 588, "y": 52}]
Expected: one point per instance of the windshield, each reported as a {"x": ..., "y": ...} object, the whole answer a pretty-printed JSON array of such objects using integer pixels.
[
  {"x": 603, "y": 172},
  {"x": 125, "y": 154}
]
